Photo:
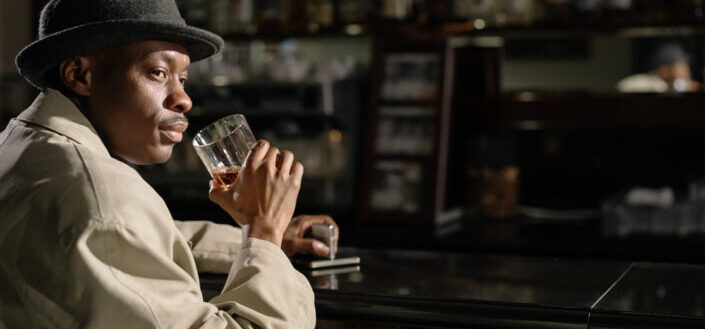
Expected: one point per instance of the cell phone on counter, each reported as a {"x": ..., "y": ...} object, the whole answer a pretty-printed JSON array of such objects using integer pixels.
[
  {"x": 326, "y": 234},
  {"x": 311, "y": 262}
]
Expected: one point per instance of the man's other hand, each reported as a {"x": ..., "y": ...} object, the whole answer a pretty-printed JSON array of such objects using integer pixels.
[{"x": 296, "y": 242}]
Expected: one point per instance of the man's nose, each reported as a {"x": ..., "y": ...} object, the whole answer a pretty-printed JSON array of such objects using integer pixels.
[{"x": 178, "y": 100}]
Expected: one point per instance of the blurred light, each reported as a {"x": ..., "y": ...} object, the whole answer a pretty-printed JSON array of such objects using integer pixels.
[
  {"x": 526, "y": 96},
  {"x": 479, "y": 24},
  {"x": 356, "y": 277},
  {"x": 196, "y": 110},
  {"x": 313, "y": 27},
  {"x": 680, "y": 85},
  {"x": 335, "y": 136},
  {"x": 353, "y": 29},
  {"x": 530, "y": 125},
  {"x": 219, "y": 80},
  {"x": 661, "y": 291},
  {"x": 500, "y": 19}
]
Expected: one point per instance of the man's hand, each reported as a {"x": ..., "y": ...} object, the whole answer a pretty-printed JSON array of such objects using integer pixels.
[
  {"x": 295, "y": 242},
  {"x": 264, "y": 194}
]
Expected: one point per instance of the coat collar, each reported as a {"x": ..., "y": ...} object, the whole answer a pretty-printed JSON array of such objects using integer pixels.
[{"x": 52, "y": 110}]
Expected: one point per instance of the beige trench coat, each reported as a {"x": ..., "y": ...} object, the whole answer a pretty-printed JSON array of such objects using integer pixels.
[{"x": 85, "y": 242}]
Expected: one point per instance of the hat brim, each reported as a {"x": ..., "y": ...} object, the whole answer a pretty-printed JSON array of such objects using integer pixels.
[{"x": 38, "y": 57}]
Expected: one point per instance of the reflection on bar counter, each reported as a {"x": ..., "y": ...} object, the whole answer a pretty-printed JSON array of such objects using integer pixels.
[{"x": 656, "y": 212}]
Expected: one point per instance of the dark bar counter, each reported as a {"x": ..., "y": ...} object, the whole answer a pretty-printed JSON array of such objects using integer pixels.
[
  {"x": 450, "y": 290},
  {"x": 652, "y": 295}
]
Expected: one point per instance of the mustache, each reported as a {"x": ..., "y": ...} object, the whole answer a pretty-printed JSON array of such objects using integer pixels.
[{"x": 173, "y": 119}]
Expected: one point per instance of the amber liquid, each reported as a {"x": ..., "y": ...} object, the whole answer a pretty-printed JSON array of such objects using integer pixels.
[{"x": 225, "y": 177}]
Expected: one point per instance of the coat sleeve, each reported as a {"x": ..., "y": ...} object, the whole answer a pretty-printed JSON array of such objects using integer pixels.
[
  {"x": 214, "y": 246},
  {"x": 125, "y": 282}
]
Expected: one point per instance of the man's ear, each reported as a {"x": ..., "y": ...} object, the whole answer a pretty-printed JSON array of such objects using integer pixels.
[{"x": 76, "y": 74}]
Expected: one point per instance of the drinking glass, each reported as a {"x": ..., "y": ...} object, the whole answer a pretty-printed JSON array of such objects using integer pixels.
[{"x": 223, "y": 147}]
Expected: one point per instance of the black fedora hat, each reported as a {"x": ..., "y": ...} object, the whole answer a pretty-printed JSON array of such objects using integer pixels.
[{"x": 74, "y": 27}]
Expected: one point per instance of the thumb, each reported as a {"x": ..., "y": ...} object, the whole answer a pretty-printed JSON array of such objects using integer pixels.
[{"x": 310, "y": 246}]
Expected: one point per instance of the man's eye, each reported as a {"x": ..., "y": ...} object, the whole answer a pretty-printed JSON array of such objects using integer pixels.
[
  {"x": 182, "y": 80},
  {"x": 159, "y": 73}
]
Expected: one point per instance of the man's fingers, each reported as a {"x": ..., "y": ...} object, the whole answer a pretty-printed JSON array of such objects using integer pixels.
[
  {"x": 259, "y": 151},
  {"x": 271, "y": 158},
  {"x": 306, "y": 221},
  {"x": 311, "y": 246},
  {"x": 285, "y": 160},
  {"x": 297, "y": 172}
]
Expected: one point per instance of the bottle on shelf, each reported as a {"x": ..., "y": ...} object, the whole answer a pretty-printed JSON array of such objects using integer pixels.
[
  {"x": 618, "y": 11},
  {"x": 515, "y": 12},
  {"x": 435, "y": 12},
  {"x": 219, "y": 16},
  {"x": 493, "y": 176},
  {"x": 558, "y": 12},
  {"x": 689, "y": 11},
  {"x": 242, "y": 16},
  {"x": 321, "y": 15},
  {"x": 269, "y": 16},
  {"x": 397, "y": 10},
  {"x": 355, "y": 11},
  {"x": 295, "y": 16},
  {"x": 397, "y": 186},
  {"x": 196, "y": 12},
  {"x": 698, "y": 10},
  {"x": 587, "y": 11},
  {"x": 471, "y": 10}
]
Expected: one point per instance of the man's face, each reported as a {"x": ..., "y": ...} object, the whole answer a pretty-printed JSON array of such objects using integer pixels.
[
  {"x": 675, "y": 71},
  {"x": 137, "y": 101}
]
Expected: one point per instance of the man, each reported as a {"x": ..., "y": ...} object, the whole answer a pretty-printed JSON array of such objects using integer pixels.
[
  {"x": 670, "y": 73},
  {"x": 84, "y": 241}
]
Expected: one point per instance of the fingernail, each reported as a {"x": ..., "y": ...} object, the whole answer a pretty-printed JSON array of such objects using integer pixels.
[{"x": 320, "y": 246}]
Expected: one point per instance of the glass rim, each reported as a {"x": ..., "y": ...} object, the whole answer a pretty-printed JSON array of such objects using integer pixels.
[{"x": 211, "y": 125}]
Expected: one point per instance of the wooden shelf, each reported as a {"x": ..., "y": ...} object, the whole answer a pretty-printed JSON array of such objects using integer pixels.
[
  {"x": 408, "y": 103},
  {"x": 392, "y": 30},
  {"x": 404, "y": 157},
  {"x": 338, "y": 32},
  {"x": 553, "y": 110},
  {"x": 377, "y": 28},
  {"x": 254, "y": 114},
  {"x": 584, "y": 28}
]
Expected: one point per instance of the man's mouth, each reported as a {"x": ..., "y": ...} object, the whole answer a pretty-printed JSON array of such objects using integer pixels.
[{"x": 174, "y": 131}]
